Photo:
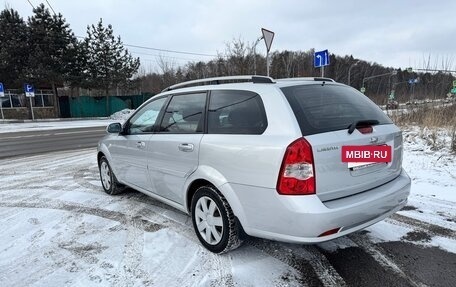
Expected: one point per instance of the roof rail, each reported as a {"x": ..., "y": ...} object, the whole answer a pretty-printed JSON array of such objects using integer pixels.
[
  {"x": 307, "y": 79},
  {"x": 219, "y": 80}
]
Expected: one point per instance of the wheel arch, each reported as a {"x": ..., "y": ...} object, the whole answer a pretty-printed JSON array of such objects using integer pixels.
[
  {"x": 100, "y": 154},
  {"x": 192, "y": 188},
  {"x": 206, "y": 175}
]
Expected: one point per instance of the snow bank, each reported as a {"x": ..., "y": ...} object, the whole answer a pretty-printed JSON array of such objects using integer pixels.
[
  {"x": 51, "y": 125},
  {"x": 122, "y": 115},
  {"x": 428, "y": 140}
]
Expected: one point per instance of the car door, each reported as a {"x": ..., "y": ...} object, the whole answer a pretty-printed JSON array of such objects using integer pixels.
[
  {"x": 175, "y": 147},
  {"x": 131, "y": 152}
]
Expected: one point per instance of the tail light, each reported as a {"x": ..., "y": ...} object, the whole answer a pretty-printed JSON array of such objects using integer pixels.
[
  {"x": 365, "y": 129},
  {"x": 330, "y": 232},
  {"x": 297, "y": 174}
]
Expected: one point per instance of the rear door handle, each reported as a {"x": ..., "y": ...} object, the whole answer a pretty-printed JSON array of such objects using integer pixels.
[
  {"x": 185, "y": 147},
  {"x": 140, "y": 144}
]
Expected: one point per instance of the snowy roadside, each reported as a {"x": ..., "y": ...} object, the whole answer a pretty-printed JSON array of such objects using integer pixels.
[
  {"x": 45, "y": 126},
  {"x": 432, "y": 168},
  {"x": 120, "y": 116}
]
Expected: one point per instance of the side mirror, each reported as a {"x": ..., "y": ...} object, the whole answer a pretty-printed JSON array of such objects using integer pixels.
[{"x": 114, "y": 128}]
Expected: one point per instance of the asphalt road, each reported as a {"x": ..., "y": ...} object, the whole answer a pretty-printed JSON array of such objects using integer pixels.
[{"x": 34, "y": 142}]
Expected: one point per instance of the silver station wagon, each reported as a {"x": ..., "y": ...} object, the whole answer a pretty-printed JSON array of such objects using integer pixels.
[{"x": 257, "y": 156}]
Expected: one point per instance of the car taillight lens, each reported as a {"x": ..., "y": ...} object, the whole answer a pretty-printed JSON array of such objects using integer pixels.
[
  {"x": 330, "y": 232},
  {"x": 365, "y": 130},
  {"x": 297, "y": 176}
]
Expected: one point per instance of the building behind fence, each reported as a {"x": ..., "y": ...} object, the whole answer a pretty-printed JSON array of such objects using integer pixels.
[{"x": 16, "y": 106}]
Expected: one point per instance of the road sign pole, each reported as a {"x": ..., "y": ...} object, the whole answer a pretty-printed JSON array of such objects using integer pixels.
[
  {"x": 322, "y": 71},
  {"x": 31, "y": 108},
  {"x": 268, "y": 36},
  {"x": 1, "y": 108},
  {"x": 2, "y": 94}
]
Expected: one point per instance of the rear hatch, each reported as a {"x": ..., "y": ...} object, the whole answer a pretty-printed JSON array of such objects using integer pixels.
[{"x": 324, "y": 112}]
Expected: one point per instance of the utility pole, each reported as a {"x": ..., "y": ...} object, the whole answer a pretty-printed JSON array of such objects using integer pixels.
[
  {"x": 254, "y": 54},
  {"x": 349, "y": 70},
  {"x": 394, "y": 72}
]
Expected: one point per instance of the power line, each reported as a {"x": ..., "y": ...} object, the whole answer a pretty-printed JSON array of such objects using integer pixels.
[
  {"x": 49, "y": 4},
  {"x": 160, "y": 55},
  {"x": 163, "y": 50},
  {"x": 170, "y": 51},
  {"x": 31, "y": 4},
  {"x": 141, "y": 47}
]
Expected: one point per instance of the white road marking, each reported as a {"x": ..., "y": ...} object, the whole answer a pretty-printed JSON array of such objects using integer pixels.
[{"x": 379, "y": 256}]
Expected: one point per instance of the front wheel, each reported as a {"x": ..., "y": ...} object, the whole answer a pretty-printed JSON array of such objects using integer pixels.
[
  {"x": 213, "y": 221},
  {"x": 108, "y": 179}
]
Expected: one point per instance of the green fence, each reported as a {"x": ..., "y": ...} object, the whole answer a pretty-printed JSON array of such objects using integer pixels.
[{"x": 86, "y": 106}]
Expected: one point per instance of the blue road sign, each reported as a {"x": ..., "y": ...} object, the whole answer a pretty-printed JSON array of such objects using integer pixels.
[
  {"x": 29, "y": 90},
  {"x": 413, "y": 81},
  {"x": 2, "y": 90},
  {"x": 321, "y": 59}
]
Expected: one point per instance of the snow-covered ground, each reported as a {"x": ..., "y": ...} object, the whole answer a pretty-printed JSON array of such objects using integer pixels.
[
  {"x": 58, "y": 228},
  {"x": 119, "y": 116},
  {"x": 432, "y": 202},
  {"x": 52, "y": 125}
]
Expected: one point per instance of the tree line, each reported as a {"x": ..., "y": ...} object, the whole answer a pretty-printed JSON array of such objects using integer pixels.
[
  {"x": 45, "y": 52},
  {"x": 239, "y": 59}
]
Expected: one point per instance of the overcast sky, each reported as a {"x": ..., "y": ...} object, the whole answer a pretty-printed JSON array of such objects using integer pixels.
[{"x": 392, "y": 33}]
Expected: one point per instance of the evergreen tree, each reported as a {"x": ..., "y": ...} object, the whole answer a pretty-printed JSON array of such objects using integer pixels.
[
  {"x": 53, "y": 48},
  {"x": 109, "y": 64},
  {"x": 77, "y": 65},
  {"x": 13, "y": 48}
]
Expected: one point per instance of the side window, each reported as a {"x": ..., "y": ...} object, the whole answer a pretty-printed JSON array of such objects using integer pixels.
[
  {"x": 236, "y": 112},
  {"x": 144, "y": 120},
  {"x": 184, "y": 114}
]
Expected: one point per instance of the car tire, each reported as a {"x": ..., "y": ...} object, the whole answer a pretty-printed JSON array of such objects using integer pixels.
[
  {"x": 214, "y": 222},
  {"x": 108, "y": 180}
]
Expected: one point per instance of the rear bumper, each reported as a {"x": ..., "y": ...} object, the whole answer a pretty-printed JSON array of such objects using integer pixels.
[{"x": 301, "y": 219}]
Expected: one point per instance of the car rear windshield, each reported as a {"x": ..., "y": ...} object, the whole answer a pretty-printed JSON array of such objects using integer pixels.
[{"x": 324, "y": 108}]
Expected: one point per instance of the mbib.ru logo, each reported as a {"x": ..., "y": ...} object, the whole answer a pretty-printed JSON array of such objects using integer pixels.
[{"x": 380, "y": 153}]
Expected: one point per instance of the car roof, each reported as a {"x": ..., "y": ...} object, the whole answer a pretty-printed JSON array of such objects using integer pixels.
[{"x": 241, "y": 82}]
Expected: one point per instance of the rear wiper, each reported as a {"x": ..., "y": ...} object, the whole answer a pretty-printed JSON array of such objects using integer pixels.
[{"x": 355, "y": 124}]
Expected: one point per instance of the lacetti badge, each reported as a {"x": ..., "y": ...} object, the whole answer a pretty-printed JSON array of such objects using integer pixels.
[
  {"x": 366, "y": 154},
  {"x": 328, "y": 148}
]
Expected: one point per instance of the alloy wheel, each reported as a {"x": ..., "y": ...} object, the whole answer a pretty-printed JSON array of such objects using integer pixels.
[
  {"x": 209, "y": 220},
  {"x": 105, "y": 175}
]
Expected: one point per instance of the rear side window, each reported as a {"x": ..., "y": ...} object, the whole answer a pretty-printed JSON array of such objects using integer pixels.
[
  {"x": 324, "y": 108},
  {"x": 236, "y": 112}
]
